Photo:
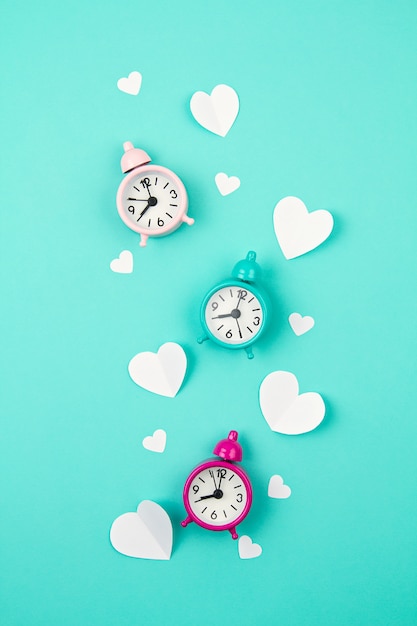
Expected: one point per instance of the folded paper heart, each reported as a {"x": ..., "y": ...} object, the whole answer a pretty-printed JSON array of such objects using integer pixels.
[
  {"x": 123, "y": 264},
  {"x": 277, "y": 489},
  {"x": 248, "y": 549},
  {"x": 285, "y": 411},
  {"x": 161, "y": 373},
  {"x": 297, "y": 230},
  {"x": 131, "y": 84},
  {"x": 226, "y": 184},
  {"x": 300, "y": 324},
  {"x": 155, "y": 442},
  {"x": 144, "y": 534},
  {"x": 216, "y": 112}
]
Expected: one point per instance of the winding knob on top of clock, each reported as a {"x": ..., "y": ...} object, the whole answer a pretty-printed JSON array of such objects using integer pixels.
[
  {"x": 229, "y": 449},
  {"x": 133, "y": 157}
]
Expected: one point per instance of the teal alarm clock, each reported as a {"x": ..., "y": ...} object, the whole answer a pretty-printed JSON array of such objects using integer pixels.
[{"x": 234, "y": 312}]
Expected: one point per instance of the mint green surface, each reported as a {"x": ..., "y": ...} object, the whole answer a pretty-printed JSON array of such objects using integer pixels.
[{"x": 328, "y": 99}]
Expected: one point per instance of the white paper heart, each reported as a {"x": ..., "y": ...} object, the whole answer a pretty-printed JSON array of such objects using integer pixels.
[
  {"x": 155, "y": 442},
  {"x": 285, "y": 411},
  {"x": 123, "y": 264},
  {"x": 160, "y": 373},
  {"x": 216, "y": 112},
  {"x": 145, "y": 534},
  {"x": 226, "y": 184},
  {"x": 248, "y": 549},
  {"x": 300, "y": 324},
  {"x": 131, "y": 84},
  {"x": 297, "y": 230},
  {"x": 277, "y": 489}
]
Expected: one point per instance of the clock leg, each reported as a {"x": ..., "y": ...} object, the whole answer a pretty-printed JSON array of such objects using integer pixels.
[
  {"x": 201, "y": 339},
  {"x": 186, "y": 521},
  {"x": 249, "y": 353},
  {"x": 233, "y": 532},
  {"x": 143, "y": 240},
  {"x": 188, "y": 220}
]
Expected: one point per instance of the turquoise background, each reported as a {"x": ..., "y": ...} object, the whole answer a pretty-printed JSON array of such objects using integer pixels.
[{"x": 328, "y": 113}]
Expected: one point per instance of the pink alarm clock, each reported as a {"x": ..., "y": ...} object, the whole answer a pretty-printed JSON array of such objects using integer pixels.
[
  {"x": 151, "y": 200},
  {"x": 218, "y": 493}
]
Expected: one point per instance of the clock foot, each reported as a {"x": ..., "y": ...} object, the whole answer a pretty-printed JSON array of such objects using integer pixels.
[
  {"x": 186, "y": 521},
  {"x": 202, "y": 339},
  {"x": 143, "y": 240},
  {"x": 233, "y": 532},
  {"x": 249, "y": 353},
  {"x": 188, "y": 220}
]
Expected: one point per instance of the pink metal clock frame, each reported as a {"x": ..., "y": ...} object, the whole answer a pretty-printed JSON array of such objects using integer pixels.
[
  {"x": 230, "y": 451},
  {"x": 135, "y": 163}
]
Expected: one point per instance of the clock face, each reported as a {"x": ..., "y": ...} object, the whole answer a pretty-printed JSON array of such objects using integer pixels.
[
  {"x": 152, "y": 200},
  {"x": 217, "y": 495},
  {"x": 234, "y": 315}
]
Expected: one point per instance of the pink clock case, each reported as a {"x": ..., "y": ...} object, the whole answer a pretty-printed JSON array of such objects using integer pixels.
[
  {"x": 230, "y": 451},
  {"x": 135, "y": 163}
]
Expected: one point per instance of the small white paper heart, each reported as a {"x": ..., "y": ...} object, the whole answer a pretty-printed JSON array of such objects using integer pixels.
[
  {"x": 226, "y": 184},
  {"x": 145, "y": 534},
  {"x": 131, "y": 84},
  {"x": 248, "y": 549},
  {"x": 124, "y": 264},
  {"x": 300, "y": 324},
  {"x": 277, "y": 489},
  {"x": 160, "y": 373},
  {"x": 216, "y": 112},
  {"x": 297, "y": 230},
  {"x": 285, "y": 411},
  {"x": 156, "y": 442}
]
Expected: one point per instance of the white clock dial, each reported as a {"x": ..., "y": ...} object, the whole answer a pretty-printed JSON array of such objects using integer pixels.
[
  {"x": 234, "y": 314},
  {"x": 152, "y": 200},
  {"x": 217, "y": 495}
]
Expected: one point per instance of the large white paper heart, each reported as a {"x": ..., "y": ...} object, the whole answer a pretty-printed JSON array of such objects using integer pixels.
[
  {"x": 285, "y": 411},
  {"x": 160, "y": 373},
  {"x": 155, "y": 442},
  {"x": 300, "y": 324},
  {"x": 277, "y": 489},
  {"x": 131, "y": 84},
  {"x": 226, "y": 184},
  {"x": 297, "y": 230},
  {"x": 124, "y": 264},
  {"x": 145, "y": 534},
  {"x": 248, "y": 549},
  {"x": 216, "y": 112}
]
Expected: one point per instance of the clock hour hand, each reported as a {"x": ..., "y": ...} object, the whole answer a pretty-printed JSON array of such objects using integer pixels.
[
  {"x": 206, "y": 497},
  {"x": 221, "y": 316},
  {"x": 235, "y": 314},
  {"x": 139, "y": 199}
]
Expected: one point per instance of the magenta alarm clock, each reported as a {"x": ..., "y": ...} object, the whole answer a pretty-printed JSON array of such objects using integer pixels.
[
  {"x": 218, "y": 494},
  {"x": 151, "y": 200}
]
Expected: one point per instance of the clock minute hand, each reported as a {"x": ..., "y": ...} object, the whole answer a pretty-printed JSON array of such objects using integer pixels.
[{"x": 144, "y": 211}]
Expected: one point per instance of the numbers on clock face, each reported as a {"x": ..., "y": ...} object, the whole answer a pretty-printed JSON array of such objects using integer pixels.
[
  {"x": 152, "y": 200},
  {"x": 217, "y": 495},
  {"x": 234, "y": 315}
]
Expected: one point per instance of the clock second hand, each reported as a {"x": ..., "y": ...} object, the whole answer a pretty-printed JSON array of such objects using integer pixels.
[{"x": 214, "y": 480}]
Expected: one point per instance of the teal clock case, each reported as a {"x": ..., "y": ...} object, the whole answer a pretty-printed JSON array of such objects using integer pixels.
[{"x": 245, "y": 273}]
